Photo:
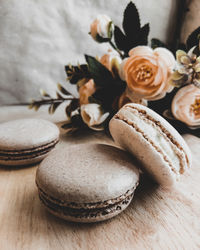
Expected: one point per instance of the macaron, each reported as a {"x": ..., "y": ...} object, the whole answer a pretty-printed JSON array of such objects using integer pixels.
[
  {"x": 26, "y": 141},
  {"x": 153, "y": 141},
  {"x": 87, "y": 182}
]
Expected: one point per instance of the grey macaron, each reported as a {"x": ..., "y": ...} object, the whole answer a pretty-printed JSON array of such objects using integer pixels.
[
  {"x": 151, "y": 139},
  {"x": 26, "y": 141},
  {"x": 87, "y": 182}
]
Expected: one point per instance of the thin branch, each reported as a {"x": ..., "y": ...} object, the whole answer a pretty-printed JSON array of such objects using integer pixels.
[
  {"x": 52, "y": 100},
  {"x": 115, "y": 48}
]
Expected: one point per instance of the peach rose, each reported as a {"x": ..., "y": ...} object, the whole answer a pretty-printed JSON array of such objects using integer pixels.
[
  {"x": 186, "y": 105},
  {"x": 147, "y": 72},
  {"x": 86, "y": 91},
  {"x": 101, "y": 28},
  {"x": 111, "y": 61}
]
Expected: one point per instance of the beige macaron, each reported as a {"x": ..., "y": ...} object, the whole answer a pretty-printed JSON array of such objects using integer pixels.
[
  {"x": 26, "y": 141},
  {"x": 87, "y": 182},
  {"x": 153, "y": 141}
]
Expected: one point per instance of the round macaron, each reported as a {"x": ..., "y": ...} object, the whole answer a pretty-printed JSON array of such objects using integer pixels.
[
  {"x": 152, "y": 140},
  {"x": 26, "y": 141},
  {"x": 87, "y": 182}
]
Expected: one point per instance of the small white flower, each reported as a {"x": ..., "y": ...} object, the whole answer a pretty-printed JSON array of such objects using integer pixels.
[
  {"x": 93, "y": 115},
  {"x": 101, "y": 28}
]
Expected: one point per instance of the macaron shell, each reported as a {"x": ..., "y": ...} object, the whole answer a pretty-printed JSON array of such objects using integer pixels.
[
  {"x": 26, "y": 134},
  {"x": 24, "y": 162},
  {"x": 135, "y": 142},
  {"x": 99, "y": 218},
  {"x": 87, "y": 173}
]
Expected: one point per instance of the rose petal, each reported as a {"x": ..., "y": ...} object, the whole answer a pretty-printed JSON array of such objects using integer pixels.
[
  {"x": 141, "y": 51},
  {"x": 166, "y": 56}
]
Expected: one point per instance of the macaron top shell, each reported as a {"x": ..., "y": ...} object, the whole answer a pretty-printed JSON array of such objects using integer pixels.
[
  {"x": 25, "y": 134},
  {"x": 152, "y": 140},
  {"x": 87, "y": 173}
]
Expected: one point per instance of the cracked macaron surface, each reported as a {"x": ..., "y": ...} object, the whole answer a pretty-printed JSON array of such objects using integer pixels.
[
  {"x": 152, "y": 140},
  {"x": 87, "y": 182},
  {"x": 26, "y": 141}
]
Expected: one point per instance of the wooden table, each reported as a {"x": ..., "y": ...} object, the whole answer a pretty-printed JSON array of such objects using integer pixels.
[{"x": 156, "y": 218}]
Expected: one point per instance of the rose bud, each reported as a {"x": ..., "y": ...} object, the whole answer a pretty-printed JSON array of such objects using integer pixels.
[
  {"x": 101, "y": 29},
  {"x": 85, "y": 91},
  {"x": 186, "y": 105},
  {"x": 111, "y": 61},
  {"x": 147, "y": 72},
  {"x": 93, "y": 115}
]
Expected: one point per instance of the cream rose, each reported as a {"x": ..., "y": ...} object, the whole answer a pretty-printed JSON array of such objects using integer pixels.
[
  {"x": 111, "y": 61},
  {"x": 147, "y": 72},
  {"x": 186, "y": 105},
  {"x": 101, "y": 28},
  {"x": 93, "y": 115},
  {"x": 86, "y": 91}
]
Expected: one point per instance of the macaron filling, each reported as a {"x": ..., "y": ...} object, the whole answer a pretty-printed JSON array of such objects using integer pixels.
[
  {"x": 87, "y": 210},
  {"x": 157, "y": 136},
  {"x": 24, "y": 154}
]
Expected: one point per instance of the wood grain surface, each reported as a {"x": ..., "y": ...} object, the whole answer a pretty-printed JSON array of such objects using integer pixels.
[{"x": 156, "y": 218}]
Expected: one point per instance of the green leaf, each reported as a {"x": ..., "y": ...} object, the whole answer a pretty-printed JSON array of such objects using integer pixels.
[
  {"x": 120, "y": 39},
  {"x": 131, "y": 21},
  {"x": 101, "y": 75},
  {"x": 53, "y": 107},
  {"x": 76, "y": 73},
  {"x": 74, "y": 104},
  {"x": 133, "y": 34},
  {"x": 59, "y": 96},
  {"x": 63, "y": 90},
  {"x": 155, "y": 43},
  {"x": 193, "y": 38},
  {"x": 143, "y": 35}
]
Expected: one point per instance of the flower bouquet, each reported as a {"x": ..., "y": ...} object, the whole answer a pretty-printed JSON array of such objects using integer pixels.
[{"x": 165, "y": 80}]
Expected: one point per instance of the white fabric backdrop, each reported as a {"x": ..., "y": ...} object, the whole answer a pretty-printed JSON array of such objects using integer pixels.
[{"x": 37, "y": 38}]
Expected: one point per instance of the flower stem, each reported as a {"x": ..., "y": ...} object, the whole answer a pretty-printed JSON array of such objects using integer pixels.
[
  {"x": 114, "y": 47},
  {"x": 53, "y": 100}
]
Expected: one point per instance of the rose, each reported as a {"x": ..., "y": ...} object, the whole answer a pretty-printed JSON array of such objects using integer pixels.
[
  {"x": 186, "y": 105},
  {"x": 147, "y": 71},
  {"x": 93, "y": 115},
  {"x": 101, "y": 28},
  {"x": 85, "y": 91},
  {"x": 111, "y": 61}
]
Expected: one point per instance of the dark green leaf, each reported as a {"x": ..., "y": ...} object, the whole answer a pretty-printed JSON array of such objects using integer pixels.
[
  {"x": 120, "y": 39},
  {"x": 143, "y": 35},
  {"x": 63, "y": 90},
  {"x": 101, "y": 75},
  {"x": 196, "y": 50},
  {"x": 131, "y": 21},
  {"x": 106, "y": 96},
  {"x": 67, "y": 126},
  {"x": 193, "y": 38},
  {"x": 157, "y": 43},
  {"x": 59, "y": 96},
  {"x": 53, "y": 107},
  {"x": 76, "y": 73},
  {"x": 74, "y": 104}
]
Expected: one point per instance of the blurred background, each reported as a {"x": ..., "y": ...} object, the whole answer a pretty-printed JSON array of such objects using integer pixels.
[{"x": 37, "y": 38}]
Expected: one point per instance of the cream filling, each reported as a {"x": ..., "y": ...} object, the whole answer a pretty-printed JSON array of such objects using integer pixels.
[{"x": 152, "y": 131}]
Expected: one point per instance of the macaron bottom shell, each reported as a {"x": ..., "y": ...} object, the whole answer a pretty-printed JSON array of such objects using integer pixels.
[
  {"x": 26, "y": 157},
  {"x": 84, "y": 214}
]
